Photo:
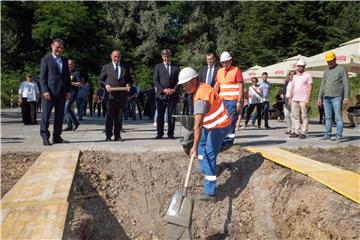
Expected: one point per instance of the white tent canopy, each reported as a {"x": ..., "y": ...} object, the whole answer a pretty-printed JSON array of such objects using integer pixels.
[
  {"x": 348, "y": 55},
  {"x": 277, "y": 73}
]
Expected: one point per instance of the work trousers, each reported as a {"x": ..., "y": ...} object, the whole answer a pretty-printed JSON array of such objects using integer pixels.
[
  {"x": 209, "y": 147},
  {"x": 299, "y": 110},
  {"x": 230, "y": 106}
]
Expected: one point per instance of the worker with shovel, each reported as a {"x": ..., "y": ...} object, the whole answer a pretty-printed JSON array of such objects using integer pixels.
[{"x": 212, "y": 124}]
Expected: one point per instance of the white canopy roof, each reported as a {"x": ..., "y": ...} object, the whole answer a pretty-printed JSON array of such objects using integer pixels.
[{"x": 347, "y": 55}]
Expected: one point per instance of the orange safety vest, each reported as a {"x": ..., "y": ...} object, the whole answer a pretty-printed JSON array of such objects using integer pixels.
[
  {"x": 217, "y": 117},
  {"x": 229, "y": 89}
]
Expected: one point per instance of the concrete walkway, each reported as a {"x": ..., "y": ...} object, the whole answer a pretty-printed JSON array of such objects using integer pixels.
[{"x": 140, "y": 136}]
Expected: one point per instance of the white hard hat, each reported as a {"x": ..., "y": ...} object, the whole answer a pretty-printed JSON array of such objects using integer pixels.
[
  {"x": 225, "y": 56},
  {"x": 187, "y": 74},
  {"x": 301, "y": 62}
]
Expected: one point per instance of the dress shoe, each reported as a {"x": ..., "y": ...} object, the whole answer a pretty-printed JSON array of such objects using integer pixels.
[
  {"x": 46, "y": 142},
  {"x": 158, "y": 137},
  {"x": 76, "y": 126},
  {"x": 122, "y": 130},
  {"x": 108, "y": 139},
  {"x": 171, "y": 137},
  {"x": 68, "y": 128},
  {"x": 59, "y": 140},
  {"x": 119, "y": 139}
]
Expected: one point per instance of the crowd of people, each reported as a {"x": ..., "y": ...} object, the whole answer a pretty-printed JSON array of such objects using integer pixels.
[{"x": 217, "y": 96}]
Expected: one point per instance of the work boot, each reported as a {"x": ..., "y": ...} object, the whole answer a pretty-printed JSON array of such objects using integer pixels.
[{"x": 208, "y": 198}]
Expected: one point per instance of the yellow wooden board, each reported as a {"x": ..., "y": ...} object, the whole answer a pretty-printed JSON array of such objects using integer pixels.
[
  {"x": 344, "y": 182},
  {"x": 48, "y": 179},
  {"x": 33, "y": 221}
]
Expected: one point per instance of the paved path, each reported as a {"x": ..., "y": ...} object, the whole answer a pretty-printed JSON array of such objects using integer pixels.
[{"x": 139, "y": 136}]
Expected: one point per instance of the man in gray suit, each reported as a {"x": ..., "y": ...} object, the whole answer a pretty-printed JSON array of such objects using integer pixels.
[
  {"x": 208, "y": 72},
  {"x": 166, "y": 82},
  {"x": 115, "y": 74},
  {"x": 55, "y": 87}
]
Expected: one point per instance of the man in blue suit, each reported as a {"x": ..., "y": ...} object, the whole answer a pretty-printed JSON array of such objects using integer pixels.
[
  {"x": 55, "y": 85},
  {"x": 208, "y": 72},
  {"x": 166, "y": 76}
]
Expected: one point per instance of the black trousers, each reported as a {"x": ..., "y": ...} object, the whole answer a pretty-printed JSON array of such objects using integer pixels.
[
  {"x": 115, "y": 110},
  {"x": 161, "y": 106},
  {"x": 28, "y": 111},
  {"x": 250, "y": 109},
  {"x": 47, "y": 106}
]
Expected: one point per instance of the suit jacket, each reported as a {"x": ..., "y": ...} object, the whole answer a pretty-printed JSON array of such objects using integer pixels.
[
  {"x": 107, "y": 77},
  {"x": 51, "y": 79},
  {"x": 203, "y": 72},
  {"x": 163, "y": 80}
]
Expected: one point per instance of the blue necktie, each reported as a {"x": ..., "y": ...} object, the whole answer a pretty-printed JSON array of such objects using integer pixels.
[
  {"x": 58, "y": 60},
  {"x": 116, "y": 71},
  {"x": 167, "y": 68},
  {"x": 209, "y": 78}
]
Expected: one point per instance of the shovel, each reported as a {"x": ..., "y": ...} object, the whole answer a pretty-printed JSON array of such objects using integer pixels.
[{"x": 179, "y": 213}]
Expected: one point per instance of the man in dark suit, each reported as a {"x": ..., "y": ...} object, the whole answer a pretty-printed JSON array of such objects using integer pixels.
[
  {"x": 208, "y": 72},
  {"x": 55, "y": 85},
  {"x": 166, "y": 82},
  {"x": 115, "y": 74}
]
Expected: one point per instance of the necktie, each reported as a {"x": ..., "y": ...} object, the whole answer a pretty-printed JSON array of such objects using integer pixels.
[
  {"x": 58, "y": 60},
  {"x": 209, "y": 78},
  {"x": 117, "y": 71},
  {"x": 168, "y": 68}
]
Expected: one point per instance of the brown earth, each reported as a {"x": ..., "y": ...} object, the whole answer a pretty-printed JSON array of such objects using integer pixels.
[
  {"x": 125, "y": 196},
  {"x": 344, "y": 157},
  {"x": 13, "y": 167}
]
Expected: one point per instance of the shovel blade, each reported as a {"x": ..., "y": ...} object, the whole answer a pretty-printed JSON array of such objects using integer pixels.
[{"x": 180, "y": 210}]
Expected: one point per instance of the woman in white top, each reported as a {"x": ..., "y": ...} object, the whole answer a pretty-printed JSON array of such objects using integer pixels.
[
  {"x": 255, "y": 100},
  {"x": 28, "y": 95}
]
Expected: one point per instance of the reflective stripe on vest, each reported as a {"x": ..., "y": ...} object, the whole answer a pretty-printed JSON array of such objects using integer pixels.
[
  {"x": 229, "y": 89},
  {"x": 217, "y": 116}
]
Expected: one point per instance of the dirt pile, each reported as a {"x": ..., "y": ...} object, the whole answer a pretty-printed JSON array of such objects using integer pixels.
[
  {"x": 120, "y": 196},
  {"x": 13, "y": 167}
]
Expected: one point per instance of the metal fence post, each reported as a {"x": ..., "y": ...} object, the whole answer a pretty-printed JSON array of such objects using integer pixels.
[{"x": 11, "y": 98}]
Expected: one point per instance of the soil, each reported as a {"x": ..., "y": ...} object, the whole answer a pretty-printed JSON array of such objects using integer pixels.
[
  {"x": 125, "y": 196},
  {"x": 13, "y": 167},
  {"x": 344, "y": 157}
]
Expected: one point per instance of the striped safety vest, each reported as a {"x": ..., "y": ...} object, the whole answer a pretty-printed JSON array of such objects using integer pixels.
[
  {"x": 217, "y": 117},
  {"x": 229, "y": 89}
]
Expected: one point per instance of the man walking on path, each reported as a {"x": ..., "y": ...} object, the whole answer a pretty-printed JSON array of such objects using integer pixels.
[
  {"x": 334, "y": 91},
  {"x": 212, "y": 123},
  {"x": 300, "y": 99},
  {"x": 229, "y": 81},
  {"x": 166, "y": 82},
  {"x": 115, "y": 74},
  {"x": 55, "y": 85},
  {"x": 76, "y": 82}
]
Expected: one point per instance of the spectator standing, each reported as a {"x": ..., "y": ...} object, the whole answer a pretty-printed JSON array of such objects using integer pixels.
[
  {"x": 115, "y": 74},
  {"x": 229, "y": 84},
  {"x": 266, "y": 87},
  {"x": 166, "y": 81},
  {"x": 28, "y": 95},
  {"x": 76, "y": 83},
  {"x": 255, "y": 101},
  {"x": 131, "y": 104},
  {"x": 287, "y": 108},
  {"x": 150, "y": 105},
  {"x": 56, "y": 88},
  {"x": 333, "y": 93},
  {"x": 82, "y": 97},
  {"x": 300, "y": 100},
  {"x": 352, "y": 109},
  {"x": 207, "y": 73},
  {"x": 279, "y": 104}
]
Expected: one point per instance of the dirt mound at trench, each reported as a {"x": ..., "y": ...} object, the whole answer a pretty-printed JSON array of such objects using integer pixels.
[{"x": 123, "y": 196}]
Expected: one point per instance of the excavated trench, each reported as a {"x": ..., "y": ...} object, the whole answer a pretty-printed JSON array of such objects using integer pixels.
[{"x": 125, "y": 196}]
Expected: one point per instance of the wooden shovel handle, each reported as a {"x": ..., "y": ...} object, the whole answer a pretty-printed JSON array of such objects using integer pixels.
[{"x": 188, "y": 173}]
